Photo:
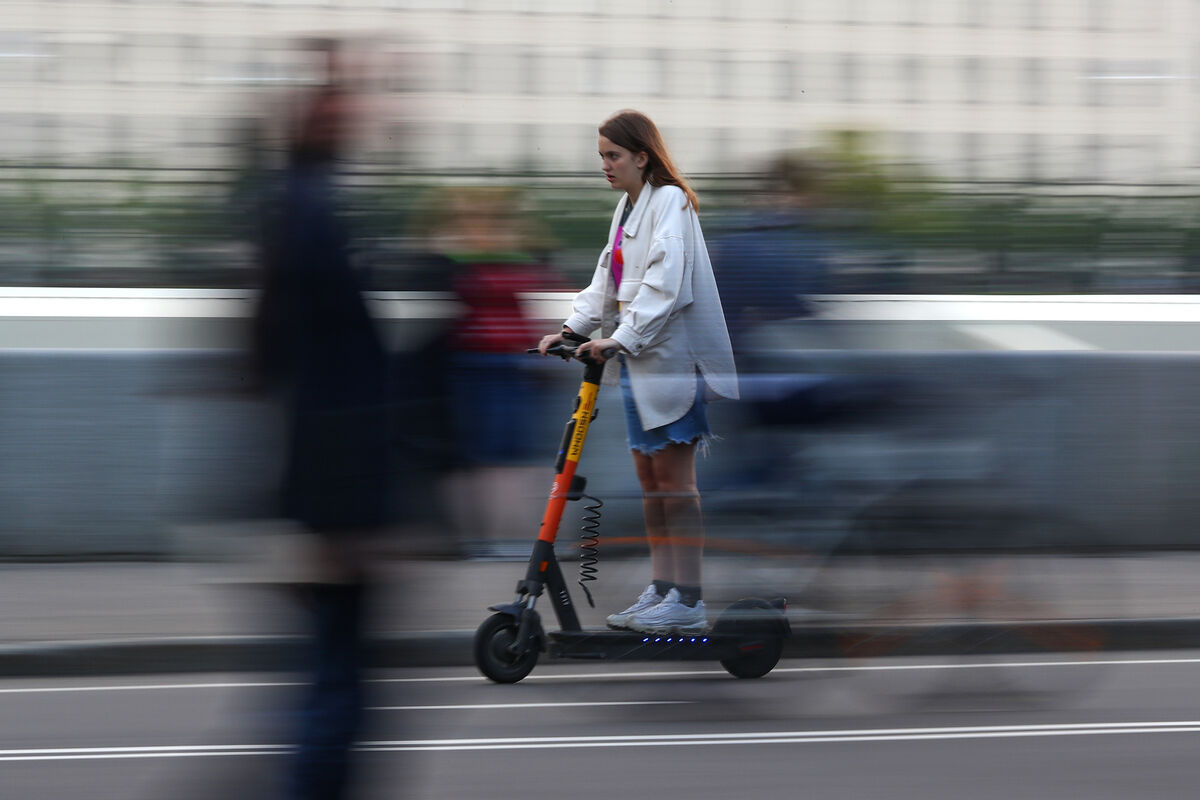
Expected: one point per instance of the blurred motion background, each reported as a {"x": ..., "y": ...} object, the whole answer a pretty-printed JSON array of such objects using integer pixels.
[{"x": 873, "y": 176}]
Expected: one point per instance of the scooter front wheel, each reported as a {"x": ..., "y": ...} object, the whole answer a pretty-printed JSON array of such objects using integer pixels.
[{"x": 493, "y": 650}]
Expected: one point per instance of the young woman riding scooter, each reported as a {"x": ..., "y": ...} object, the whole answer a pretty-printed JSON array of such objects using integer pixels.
[{"x": 654, "y": 298}]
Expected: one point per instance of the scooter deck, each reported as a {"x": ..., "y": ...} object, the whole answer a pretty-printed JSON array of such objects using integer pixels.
[{"x": 607, "y": 645}]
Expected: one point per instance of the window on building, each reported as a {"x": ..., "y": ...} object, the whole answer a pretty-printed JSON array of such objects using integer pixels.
[
  {"x": 659, "y": 77},
  {"x": 634, "y": 74},
  {"x": 1142, "y": 16},
  {"x": 1035, "y": 14},
  {"x": 528, "y": 148},
  {"x": 884, "y": 12},
  {"x": 462, "y": 153},
  {"x": 497, "y": 71},
  {"x": 880, "y": 80},
  {"x": 759, "y": 10},
  {"x": 47, "y": 61},
  {"x": 909, "y": 144},
  {"x": 422, "y": 5},
  {"x": 785, "y": 79},
  {"x": 915, "y": 12},
  {"x": 191, "y": 59},
  {"x": 913, "y": 72},
  {"x": 120, "y": 133},
  {"x": 1137, "y": 84},
  {"x": 659, "y": 9},
  {"x": 558, "y": 76},
  {"x": 722, "y": 148},
  {"x": 397, "y": 144},
  {"x": 121, "y": 57},
  {"x": 939, "y": 153},
  {"x": 91, "y": 62},
  {"x": 464, "y": 72},
  {"x": 1034, "y": 77},
  {"x": 529, "y": 74},
  {"x": 583, "y": 139},
  {"x": 1094, "y": 156},
  {"x": 12, "y": 146},
  {"x": 785, "y": 140},
  {"x": 21, "y": 56},
  {"x": 1098, "y": 15},
  {"x": 972, "y": 81},
  {"x": 1033, "y": 167},
  {"x": 1095, "y": 83},
  {"x": 848, "y": 78},
  {"x": 974, "y": 13},
  {"x": 725, "y": 75},
  {"x": 1135, "y": 159},
  {"x": 592, "y": 75},
  {"x": 193, "y": 134},
  {"x": 972, "y": 156}
]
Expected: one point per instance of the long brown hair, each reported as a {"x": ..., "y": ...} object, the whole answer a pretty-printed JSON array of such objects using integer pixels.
[{"x": 637, "y": 133}]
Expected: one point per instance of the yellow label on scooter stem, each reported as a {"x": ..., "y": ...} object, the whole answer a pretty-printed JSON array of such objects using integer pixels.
[{"x": 583, "y": 418}]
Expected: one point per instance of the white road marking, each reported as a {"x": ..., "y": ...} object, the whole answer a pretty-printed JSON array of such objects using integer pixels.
[
  {"x": 477, "y": 707},
  {"x": 576, "y": 676},
  {"x": 830, "y": 668},
  {"x": 162, "y": 751},
  {"x": 485, "y": 706},
  {"x": 791, "y": 737},
  {"x": 144, "y": 687},
  {"x": 658, "y": 740}
]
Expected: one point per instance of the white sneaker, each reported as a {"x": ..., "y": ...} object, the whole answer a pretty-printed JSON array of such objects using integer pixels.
[
  {"x": 670, "y": 616},
  {"x": 649, "y": 598}
]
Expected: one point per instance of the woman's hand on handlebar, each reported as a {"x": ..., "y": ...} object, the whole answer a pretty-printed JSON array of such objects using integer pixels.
[
  {"x": 600, "y": 350},
  {"x": 549, "y": 341}
]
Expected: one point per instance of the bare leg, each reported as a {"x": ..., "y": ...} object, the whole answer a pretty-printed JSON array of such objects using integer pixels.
[
  {"x": 671, "y": 504},
  {"x": 662, "y": 561}
]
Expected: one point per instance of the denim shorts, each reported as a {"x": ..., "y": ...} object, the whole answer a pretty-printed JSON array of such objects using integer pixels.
[{"x": 691, "y": 427}]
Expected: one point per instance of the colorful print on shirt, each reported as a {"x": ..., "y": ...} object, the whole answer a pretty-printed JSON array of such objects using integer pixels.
[{"x": 618, "y": 258}]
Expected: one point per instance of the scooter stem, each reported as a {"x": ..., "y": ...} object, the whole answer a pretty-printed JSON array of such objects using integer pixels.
[{"x": 570, "y": 451}]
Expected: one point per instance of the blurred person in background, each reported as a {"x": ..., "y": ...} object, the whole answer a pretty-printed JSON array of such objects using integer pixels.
[
  {"x": 770, "y": 261},
  {"x": 769, "y": 264},
  {"x": 316, "y": 342},
  {"x": 654, "y": 298},
  {"x": 494, "y": 389}
]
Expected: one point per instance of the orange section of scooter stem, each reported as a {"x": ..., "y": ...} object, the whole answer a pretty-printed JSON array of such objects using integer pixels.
[
  {"x": 558, "y": 502},
  {"x": 562, "y": 481}
]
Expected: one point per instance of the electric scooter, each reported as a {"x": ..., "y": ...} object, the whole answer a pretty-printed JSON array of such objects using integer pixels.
[{"x": 747, "y": 638}]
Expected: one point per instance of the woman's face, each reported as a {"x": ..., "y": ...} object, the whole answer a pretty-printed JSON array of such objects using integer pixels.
[{"x": 622, "y": 167}]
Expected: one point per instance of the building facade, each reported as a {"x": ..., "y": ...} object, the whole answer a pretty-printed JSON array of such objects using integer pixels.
[{"x": 1082, "y": 90}]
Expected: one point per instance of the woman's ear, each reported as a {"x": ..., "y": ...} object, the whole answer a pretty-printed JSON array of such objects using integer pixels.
[{"x": 641, "y": 159}]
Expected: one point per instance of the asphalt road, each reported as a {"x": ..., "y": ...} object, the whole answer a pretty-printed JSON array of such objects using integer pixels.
[{"x": 1123, "y": 727}]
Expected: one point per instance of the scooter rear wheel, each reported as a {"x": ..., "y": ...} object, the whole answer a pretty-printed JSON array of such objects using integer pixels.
[
  {"x": 759, "y": 622},
  {"x": 493, "y": 656}
]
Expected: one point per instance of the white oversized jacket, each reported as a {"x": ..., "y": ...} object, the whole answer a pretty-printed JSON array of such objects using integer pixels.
[{"x": 667, "y": 314}]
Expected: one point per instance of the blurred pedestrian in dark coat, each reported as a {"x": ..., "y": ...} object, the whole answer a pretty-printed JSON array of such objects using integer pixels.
[{"x": 318, "y": 343}]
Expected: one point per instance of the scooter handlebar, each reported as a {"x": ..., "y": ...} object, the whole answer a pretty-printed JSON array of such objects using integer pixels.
[{"x": 567, "y": 352}]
